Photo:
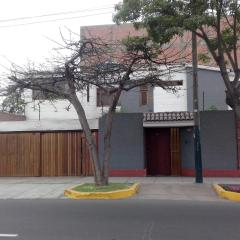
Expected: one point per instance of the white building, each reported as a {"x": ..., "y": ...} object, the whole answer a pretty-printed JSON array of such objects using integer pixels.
[{"x": 154, "y": 99}]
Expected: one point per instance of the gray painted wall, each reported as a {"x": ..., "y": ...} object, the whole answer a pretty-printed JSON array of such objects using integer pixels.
[
  {"x": 218, "y": 138},
  {"x": 210, "y": 82},
  {"x": 130, "y": 101},
  {"x": 187, "y": 150},
  {"x": 127, "y": 141}
]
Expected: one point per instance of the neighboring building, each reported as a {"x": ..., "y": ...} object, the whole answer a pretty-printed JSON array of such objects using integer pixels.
[{"x": 145, "y": 99}]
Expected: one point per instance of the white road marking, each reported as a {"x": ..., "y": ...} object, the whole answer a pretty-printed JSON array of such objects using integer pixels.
[{"x": 8, "y": 235}]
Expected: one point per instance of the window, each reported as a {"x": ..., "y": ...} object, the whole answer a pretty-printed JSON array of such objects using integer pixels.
[
  {"x": 88, "y": 93},
  {"x": 103, "y": 99},
  {"x": 41, "y": 95},
  {"x": 143, "y": 95},
  {"x": 175, "y": 83},
  {"x": 60, "y": 86}
]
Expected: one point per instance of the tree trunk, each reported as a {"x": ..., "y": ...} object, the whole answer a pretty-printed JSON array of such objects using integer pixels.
[
  {"x": 107, "y": 137},
  {"x": 107, "y": 147},
  {"x": 236, "y": 109},
  {"x": 88, "y": 134}
]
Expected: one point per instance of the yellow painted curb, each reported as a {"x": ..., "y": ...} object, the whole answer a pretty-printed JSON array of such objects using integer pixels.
[
  {"x": 118, "y": 194},
  {"x": 226, "y": 194}
]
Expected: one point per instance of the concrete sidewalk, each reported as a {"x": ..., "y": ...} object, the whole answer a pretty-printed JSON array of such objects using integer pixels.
[{"x": 172, "y": 188}]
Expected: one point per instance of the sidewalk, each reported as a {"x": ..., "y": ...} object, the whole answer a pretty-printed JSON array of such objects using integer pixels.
[{"x": 172, "y": 188}]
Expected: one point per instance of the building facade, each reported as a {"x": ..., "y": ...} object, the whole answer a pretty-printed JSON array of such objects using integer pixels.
[{"x": 160, "y": 142}]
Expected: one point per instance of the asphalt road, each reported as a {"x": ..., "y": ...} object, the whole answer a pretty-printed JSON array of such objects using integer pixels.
[{"x": 119, "y": 220}]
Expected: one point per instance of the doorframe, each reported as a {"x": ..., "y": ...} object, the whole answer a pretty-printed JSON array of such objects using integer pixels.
[{"x": 175, "y": 150}]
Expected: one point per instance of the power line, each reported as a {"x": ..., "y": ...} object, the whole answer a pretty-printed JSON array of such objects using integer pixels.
[
  {"x": 55, "y": 14},
  {"x": 53, "y": 20}
]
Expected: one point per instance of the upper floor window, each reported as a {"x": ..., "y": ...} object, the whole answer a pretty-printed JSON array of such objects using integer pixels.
[
  {"x": 88, "y": 93},
  {"x": 175, "y": 83},
  {"x": 143, "y": 95},
  {"x": 47, "y": 86},
  {"x": 42, "y": 95},
  {"x": 104, "y": 99}
]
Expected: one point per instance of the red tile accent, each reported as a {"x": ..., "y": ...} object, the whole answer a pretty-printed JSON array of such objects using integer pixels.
[
  {"x": 212, "y": 173},
  {"x": 238, "y": 143}
]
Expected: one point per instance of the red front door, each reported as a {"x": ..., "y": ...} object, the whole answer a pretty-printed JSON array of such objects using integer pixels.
[{"x": 158, "y": 156}]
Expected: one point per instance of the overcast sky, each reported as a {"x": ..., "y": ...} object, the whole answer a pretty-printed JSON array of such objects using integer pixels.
[{"x": 21, "y": 40}]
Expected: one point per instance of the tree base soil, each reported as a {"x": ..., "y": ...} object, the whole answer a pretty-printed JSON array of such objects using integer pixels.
[{"x": 91, "y": 187}]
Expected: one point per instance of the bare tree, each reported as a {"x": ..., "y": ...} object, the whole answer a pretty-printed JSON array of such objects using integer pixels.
[{"x": 113, "y": 67}]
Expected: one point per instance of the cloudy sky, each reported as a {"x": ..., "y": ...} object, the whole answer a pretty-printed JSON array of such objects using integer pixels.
[{"x": 25, "y": 37}]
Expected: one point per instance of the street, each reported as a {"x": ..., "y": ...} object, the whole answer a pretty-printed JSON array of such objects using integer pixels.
[{"x": 137, "y": 219}]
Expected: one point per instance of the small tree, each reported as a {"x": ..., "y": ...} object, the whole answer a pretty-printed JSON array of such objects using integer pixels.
[
  {"x": 217, "y": 22},
  {"x": 112, "y": 67},
  {"x": 13, "y": 102}
]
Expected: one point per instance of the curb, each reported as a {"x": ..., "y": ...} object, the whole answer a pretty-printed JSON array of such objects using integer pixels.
[
  {"x": 233, "y": 196},
  {"x": 118, "y": 194}
]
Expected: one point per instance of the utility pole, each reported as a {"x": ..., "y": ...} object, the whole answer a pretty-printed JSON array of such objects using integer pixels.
[{"x": 196, "y": 115}]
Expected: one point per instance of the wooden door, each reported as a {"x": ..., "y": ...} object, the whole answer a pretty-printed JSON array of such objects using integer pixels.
[
  {"x": 175, "y": 152},
  {"x": 158, "y": 155},
  {"x": 19, "y": 154}
]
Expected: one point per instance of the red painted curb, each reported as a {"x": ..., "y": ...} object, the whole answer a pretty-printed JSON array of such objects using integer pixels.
[
  {"x": 128, "y": 173},
  {"x": 212, "y": 173}
]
